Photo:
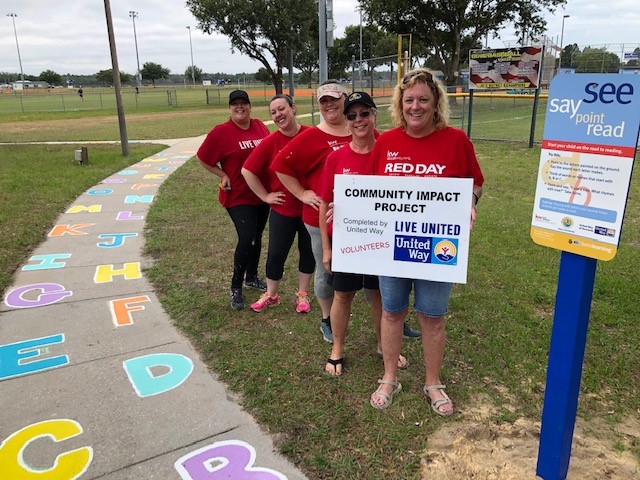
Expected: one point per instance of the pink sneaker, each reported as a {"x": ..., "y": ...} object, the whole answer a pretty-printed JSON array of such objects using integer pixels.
[
  {"x": 303, "y": 303},
  {"x": 265, "y": 301}
]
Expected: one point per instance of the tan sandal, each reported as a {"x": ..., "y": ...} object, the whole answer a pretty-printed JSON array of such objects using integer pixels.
[
  {"x": 436, "y": 404},
  {"x": 387, "y": 397}
]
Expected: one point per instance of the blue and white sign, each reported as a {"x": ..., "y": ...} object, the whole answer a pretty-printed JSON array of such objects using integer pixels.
[{"x": 589, "y": 145}]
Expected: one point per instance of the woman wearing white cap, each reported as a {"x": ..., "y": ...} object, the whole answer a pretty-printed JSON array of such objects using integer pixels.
[{"x": 299, "y": 166}]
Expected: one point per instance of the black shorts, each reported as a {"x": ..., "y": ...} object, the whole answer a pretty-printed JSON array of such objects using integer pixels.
[{"x": 351, "y": 282}]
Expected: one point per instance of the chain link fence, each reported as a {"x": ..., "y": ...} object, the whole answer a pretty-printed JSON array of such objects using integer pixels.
[
  {"x": 40, "y": 100},
  {"x": 605, "y": 58}
]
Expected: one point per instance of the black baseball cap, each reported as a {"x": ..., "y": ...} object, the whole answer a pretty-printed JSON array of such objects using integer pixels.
[
  {"x": 238, "y": 95},
  {"x": 358, "y": 97}
]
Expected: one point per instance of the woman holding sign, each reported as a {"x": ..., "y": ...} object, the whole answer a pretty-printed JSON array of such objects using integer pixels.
[
  {"x": 361, "y": 113},
  {"x": 424, "y": 142}
]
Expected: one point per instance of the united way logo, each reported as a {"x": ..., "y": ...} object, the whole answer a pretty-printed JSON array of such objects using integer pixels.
[
  {"x": 436, "y": 251},
  {"x": 445, "y": 251}
]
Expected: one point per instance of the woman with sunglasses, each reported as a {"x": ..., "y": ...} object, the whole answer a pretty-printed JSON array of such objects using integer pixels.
[
  {"x": 299, "y": 167},
  {"x": 223, "y": 153},
  {"x": 285, "y": 219},
  {"x": 361, "y": 113},
  {"x": 422, "y": 137}
]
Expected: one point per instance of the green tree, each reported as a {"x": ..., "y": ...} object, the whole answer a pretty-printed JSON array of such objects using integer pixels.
[
  {"x": 568, "y": 54},
  {"x": 596, "y": 60},
  {"x": 106, "y": 77},
  {"x": 154, "y": 71},
  {"x": 451, "y": 27},
  {"x": 51, "y": 77},
  {"x": 262, "y": 75},
  {"x": 197, "y": 74},
  {"x": 260, "y": 29},
  {"x": 375, "y": 43},
  {"x": 305, "y": 57}
]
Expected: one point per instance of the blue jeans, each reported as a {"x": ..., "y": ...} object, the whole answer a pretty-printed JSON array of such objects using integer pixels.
[{"x": 321, "y": 287}]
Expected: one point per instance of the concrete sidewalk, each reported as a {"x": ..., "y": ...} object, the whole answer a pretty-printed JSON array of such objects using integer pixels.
[{"x": 95, "y": 382}]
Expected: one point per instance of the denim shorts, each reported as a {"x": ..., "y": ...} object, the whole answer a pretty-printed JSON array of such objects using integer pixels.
[{"x": 431, "y": 298}]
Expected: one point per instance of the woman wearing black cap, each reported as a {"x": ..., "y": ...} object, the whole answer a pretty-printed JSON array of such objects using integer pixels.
[
  {"x": 223, "y": 153},
  {"x": 360, "y": 112}
]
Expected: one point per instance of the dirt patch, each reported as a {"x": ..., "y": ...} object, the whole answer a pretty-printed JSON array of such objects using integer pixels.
[{"x": 480, "y": 449}]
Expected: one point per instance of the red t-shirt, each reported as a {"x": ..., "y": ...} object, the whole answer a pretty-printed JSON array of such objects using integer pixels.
[
  {"x": 259, "y": 162},
  {"x": 228, "y": 146},
  {"x": 343, "y": 161},
  {"x": 443, "y": 153},
  {"x": 303, "y": 158}
]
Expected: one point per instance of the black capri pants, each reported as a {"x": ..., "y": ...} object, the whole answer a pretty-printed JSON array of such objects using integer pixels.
[{"x": 282, "y": 231}]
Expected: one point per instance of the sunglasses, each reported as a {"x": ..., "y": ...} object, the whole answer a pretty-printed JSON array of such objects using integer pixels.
[
  {"x": 363, "y": 114},
  {"x": 428, "y": 77}
]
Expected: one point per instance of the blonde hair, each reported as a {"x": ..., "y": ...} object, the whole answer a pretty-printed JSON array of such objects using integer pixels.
[{"x": 426, "y": 76}]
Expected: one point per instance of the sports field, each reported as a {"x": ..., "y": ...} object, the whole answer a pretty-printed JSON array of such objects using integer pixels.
[{"x": 494, "y": 117}]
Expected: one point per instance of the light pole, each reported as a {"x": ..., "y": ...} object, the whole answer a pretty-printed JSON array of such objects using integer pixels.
[
  {"x": 13, "y": 18},
  {"x": 561, "y": 40},
  {"x": 360, "y": 64},
  {"x": 193, "y": 73},
  {"x": 133, "y": 16}
]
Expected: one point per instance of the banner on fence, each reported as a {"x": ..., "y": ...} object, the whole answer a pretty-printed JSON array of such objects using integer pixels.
[
  {"x": 409, "y": 227},
  {"x": 588, "y": 149},
  {"x": 505, "y": 68}
]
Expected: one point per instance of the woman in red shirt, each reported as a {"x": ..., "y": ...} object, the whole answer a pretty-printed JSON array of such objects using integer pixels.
[
  {"x": 223, "y": 153},
  {"x": 422, "y": 144},
  {"x": 285, "y": 219},
  {"x": 299, "y": 167},
  {"x": 361, "y": 112}
]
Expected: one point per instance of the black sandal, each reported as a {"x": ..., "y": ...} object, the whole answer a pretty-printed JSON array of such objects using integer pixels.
[{"x": 335, "y": 363}]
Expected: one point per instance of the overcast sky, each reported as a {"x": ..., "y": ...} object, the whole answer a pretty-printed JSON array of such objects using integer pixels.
[{"x": 70, "y": 36}]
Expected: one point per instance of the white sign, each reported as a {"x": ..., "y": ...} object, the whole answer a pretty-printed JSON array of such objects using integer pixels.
[
  {"x": 408, "y": 227},
  {"x": 505, "y": 68}
]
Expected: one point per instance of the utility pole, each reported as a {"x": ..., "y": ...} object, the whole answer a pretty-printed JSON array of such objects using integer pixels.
[
  {"x": 322, "y": 38},
  {"x": 124, "y": 140},
  {"x": 133, "y": 16},
  {"x": 15, "y": 32},
  {"x": 193, "y": 73},
  {"x": 561, "y": 40}
]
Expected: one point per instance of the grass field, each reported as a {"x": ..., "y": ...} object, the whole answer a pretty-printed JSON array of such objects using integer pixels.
[
  {"x": 498, "y": 328},
  {"x": 102, "y": 98},
  {"x": 495, "y": 117}
]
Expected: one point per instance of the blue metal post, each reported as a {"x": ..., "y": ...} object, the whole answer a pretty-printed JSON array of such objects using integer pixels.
[{"x": 566, "y": 355}]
